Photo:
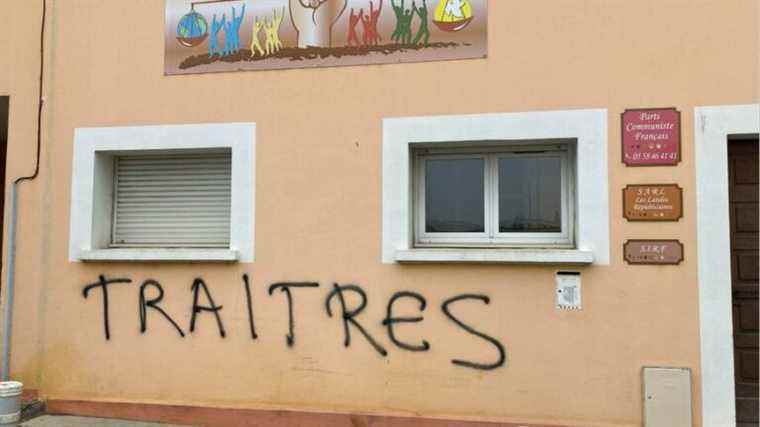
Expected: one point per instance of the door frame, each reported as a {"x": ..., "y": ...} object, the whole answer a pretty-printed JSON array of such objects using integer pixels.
[
  {"x": 712, "y": 128},
  {"x": 5, "y": 115}
]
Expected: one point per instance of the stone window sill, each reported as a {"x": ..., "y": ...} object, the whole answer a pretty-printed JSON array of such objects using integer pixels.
[
  {"x": 496, "y": 256},
  {"x": 159, "y": 255}
]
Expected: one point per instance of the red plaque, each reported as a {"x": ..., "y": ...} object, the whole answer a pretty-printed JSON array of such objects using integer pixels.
[
  {"x": 651, "y": 137},
  {"x": 653, "y": 252}
]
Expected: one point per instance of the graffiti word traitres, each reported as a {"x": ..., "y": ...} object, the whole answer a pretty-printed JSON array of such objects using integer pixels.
[{"x": 335, "y": 305}]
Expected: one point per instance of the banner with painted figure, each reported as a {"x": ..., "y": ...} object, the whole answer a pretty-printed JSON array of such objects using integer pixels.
[{"x": 204, "y": 36}]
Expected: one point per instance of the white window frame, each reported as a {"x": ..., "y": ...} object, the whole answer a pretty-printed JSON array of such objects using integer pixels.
[
  {"x": 92, "y": 188},
  {"x": 424, "y": 238},
  {"x": 491, "y": 237},
  {"x": 588, "y": 128}
]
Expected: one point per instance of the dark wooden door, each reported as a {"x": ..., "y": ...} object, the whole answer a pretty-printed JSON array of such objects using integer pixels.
[
  {"x": 4, "y": 100},
  {"x": 743, "y": 197}
]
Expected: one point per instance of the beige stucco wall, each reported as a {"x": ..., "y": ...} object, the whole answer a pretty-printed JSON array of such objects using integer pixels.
[
  {"x": 318, "y": 217},
  {"x": 19, "y": 79}
]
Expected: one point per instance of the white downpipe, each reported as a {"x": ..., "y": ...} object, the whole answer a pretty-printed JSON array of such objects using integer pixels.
[{"x": 9, "y": 283}]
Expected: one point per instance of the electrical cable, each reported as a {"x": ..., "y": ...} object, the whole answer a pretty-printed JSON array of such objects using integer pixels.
[{"x": 41, "y": 101}]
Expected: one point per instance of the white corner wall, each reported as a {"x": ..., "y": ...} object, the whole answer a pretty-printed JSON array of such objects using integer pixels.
[{"x": 713, "y": 126}]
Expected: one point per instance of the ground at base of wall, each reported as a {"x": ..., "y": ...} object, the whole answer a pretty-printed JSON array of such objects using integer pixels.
[{"x": 69, "y": 421}]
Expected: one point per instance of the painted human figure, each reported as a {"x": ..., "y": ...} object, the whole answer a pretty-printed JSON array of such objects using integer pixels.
[
  {"x": 237, "y": 22},
  {"x": 272, "y": 31},
  {"x": 399, "y": 12},
  {"x": 454, "y": 10},
  {"x": 376, "y": 18},
  {"x": 423, "y": 33},
  {"x": 353, "y": 20},
  {"x": 367, "y": 34},
  {"x": 268, "y": 46},
  {"x": 371, "y": 34},
  {"x": 403, "y": 32},
  {"x": 228, "y": 42},
  {"x": 406, "y": 26},
  {"x": 232, "y": 32},
  {"x": 255, "y": 41},
  {"x": 213, "y": 43}
]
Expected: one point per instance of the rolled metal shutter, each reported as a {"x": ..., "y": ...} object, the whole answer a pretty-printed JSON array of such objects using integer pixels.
[{"x": 177, "y": 200}]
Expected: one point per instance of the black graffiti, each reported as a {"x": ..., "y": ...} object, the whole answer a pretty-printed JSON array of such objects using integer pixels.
[
  {"x": 103, "y": 283},
  {"x": 249, "y": 300},
  {"x": 390, "y": 320},
  {"x": 349, "y": 316},
  {"x": 153, "y": 303},
  {"x": 290, "y": 338},
  {"x": 197, "y": 285},
  {"x": 494, "y": 341},
  {"x": 352, "y": 299}
]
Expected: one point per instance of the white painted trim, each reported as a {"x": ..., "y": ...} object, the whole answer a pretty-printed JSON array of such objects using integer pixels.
[
  {"x": 587, "y": 127},
  {"x": 496, "y": 256},
  {"x": 713, "y": 126},
  {"x": 10, "y": 418},
  {"x": 93, "y": 145},
  {"x": 491, "y": 235},
  {"x": 159, "y": 254}
]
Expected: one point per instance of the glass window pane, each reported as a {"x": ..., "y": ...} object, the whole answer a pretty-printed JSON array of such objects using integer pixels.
[
  {"x": 454, "y": 201},
  {"x": 530, "y": 195}
]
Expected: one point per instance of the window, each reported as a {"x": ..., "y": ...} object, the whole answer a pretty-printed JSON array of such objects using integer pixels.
[
  {"x": 518, "y": 195},
  {"x": 179, "y": 200},
  {"x": 526, "y": 188},
  {"x": 163, "y": 193}
]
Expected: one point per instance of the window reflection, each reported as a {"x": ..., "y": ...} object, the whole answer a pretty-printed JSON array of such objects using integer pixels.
[
  {"x": 530, "y": 195},
  {"x": 454, "y": 200}
]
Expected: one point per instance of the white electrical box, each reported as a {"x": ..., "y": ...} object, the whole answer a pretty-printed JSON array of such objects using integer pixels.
[
  {"x": 667, "y": 397},
  {"x": 569, "y": 291}
]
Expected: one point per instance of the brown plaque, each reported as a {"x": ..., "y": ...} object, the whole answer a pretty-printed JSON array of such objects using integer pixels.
[
  {"x": 653, "y": 252},
  {"x": 653, "y": 202}
]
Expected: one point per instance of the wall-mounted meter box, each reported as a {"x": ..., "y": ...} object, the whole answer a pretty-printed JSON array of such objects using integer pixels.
[
  {"x": 667, "y": 397},
  {"x": 569, "y": 291}
]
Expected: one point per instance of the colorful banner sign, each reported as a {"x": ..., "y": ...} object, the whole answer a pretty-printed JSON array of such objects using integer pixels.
[
  {"x": 231, "y": 35},
  {"x": 651, "y": 137}
]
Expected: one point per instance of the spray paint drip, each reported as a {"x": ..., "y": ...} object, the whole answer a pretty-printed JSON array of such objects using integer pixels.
[{"x": 453, "y": 15}]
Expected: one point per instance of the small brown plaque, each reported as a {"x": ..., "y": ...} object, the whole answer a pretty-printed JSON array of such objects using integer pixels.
[
  {"x": 653, "y": 202},
  {"x": 653, "y": 252}
]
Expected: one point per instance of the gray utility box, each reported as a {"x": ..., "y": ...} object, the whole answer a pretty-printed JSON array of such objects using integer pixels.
[{"x": 667, "y": 397}]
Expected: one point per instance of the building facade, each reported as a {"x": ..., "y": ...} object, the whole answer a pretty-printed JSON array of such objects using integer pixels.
[{"x": 396, "y": 243}]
